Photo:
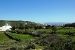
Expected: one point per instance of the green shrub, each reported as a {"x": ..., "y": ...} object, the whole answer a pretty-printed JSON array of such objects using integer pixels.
[
  {"x": 60, "y": 45},
  {"x": 30, "y": 46},
  {"x": 47, "y": 39},
  {"x": 12, "y": 48},
  {"x": 70, "y": 33},
  {"x": 13, "y": 31}
]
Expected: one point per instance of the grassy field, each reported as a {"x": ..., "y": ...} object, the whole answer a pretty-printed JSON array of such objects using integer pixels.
[
  {"x": 63, "y": 30},
  {"x": 23, "y": 37},
  {"x": 1, "y": 32},
  {"x": 3, "y": 38}
]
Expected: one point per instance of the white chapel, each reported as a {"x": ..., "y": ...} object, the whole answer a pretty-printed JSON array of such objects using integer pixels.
[{"x": 5, "y": 27}]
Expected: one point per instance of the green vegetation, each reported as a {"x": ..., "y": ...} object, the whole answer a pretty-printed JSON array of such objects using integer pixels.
[
  {"x": 1, "y": 32},
  {"x": 23, "y": 37},
  {"x": 26, "y": 35},
  {"x": 63, "y": 36},
  {"x": 3, "y": 38}
]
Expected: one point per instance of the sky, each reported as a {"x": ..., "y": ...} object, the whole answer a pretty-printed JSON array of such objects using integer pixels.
[{"x": 38, "y": 10}]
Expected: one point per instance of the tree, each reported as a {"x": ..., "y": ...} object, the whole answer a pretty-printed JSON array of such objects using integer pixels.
[
  {"x": 48, "y": 26},
  {"x": 53, "y": 29}
]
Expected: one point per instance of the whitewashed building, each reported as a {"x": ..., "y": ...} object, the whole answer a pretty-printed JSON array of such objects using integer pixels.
[{"x": 5, "y": 27}]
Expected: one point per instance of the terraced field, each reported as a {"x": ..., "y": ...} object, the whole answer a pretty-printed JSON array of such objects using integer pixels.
[
  {"x": 7, "y": 42},
  {"x": 23, "y": 37},
  {"x": 3, "y": 38}
]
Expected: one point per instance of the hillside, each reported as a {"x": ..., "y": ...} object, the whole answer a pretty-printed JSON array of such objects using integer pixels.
[
  {"x": 27, "y": 35},
  {"x": 19, "y": 23}
]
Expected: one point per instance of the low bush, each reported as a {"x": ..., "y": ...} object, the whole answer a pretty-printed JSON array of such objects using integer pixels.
[
  {"x": 47, "y": 39},
  {"x": 23, "y": 32},
  {"x": 12, "y": 48},
  {"x": 13, "y": 31},
  {"x": 70, "y": 33},
  {"x": 30, "y": 46},
  {"x": 60, "y": 45}
]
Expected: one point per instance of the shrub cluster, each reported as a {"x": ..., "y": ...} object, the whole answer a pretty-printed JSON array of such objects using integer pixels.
[
  {"x": 47, "y": 39},
  {"x": 28, "y": 46},
  {"x": 21, "y": 31},
  {"x": 60, "y": 45}
]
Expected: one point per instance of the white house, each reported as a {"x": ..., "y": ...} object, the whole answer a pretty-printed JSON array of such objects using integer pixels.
[{"x": 5, "y": 27}]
